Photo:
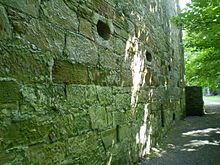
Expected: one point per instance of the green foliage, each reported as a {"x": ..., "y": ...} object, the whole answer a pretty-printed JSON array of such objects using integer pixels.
[{"x": 201, "y": 22}]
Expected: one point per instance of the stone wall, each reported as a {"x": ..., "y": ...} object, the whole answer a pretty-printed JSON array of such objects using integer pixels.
[
  {"x": 87, "y": 81},
  {"x": 194, "y": 101}
]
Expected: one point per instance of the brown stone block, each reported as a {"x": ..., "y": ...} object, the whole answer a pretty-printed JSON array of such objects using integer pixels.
[{"x": 69, "y": 73}]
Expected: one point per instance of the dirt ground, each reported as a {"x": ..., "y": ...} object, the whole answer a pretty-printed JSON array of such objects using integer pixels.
[{"x": 194, "y": 141}]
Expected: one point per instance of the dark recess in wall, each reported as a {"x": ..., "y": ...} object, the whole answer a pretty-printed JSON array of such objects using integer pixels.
[
  {"x": 103, "y": 30},
  {"x": 148, "y": 56}
]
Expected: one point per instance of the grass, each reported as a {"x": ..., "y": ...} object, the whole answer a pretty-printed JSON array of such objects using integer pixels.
[{"x": 212, "y": 98}]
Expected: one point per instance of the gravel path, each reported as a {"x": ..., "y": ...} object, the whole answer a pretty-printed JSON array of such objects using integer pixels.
[{"x": 194, "y": 141}]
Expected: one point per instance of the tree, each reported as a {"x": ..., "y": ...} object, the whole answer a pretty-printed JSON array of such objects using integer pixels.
[{"x": 201, "y": 22}]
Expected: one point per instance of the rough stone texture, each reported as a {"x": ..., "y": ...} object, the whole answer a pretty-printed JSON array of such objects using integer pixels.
[
  {"x": 5, "y": 28},
  {"x": 194, "y": 101},
  {"x": 73, "y": 92},
  {"x": 31, "y": 7}
]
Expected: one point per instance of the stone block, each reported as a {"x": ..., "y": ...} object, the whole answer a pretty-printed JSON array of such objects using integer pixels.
[
  {"x": 98, "y": 76},
  {"x": 9, "y": 109},
  {"x": 118, "y": 118},
  {"x": 31, "y": 7},
  {"x": 144, "y": 95},
  {"x": 46, "y": 153},
  {"x": 124, "y": 133},
  {"x": 109, "y": 137},
  {"x": 14, "y": 155},
  {"x": 155, "y": 80},
  {"x": 120, "y": 47},
  {"x": 113, "y": 78},
  {"x": 25, "y": 131},
  {"x": 64, "y": 126},
  {"x": 76, "y": 95},
  {"x": 72, "y": 4},
  {"x": 121, "y": 90},
  {"x": 108, "y": 59},
  {"x": 5, "y": 28},
  {"x": 65, "y": 72},
  {"x": 81, "y": 50},
  {"x": 121, "y": 32},
  {"x": 123, "y": 101},
  {"x": 148, "y": 77},
  {"x": 79, "y": 95},
  {"x": 68, "y": 125},
  {"x": 105, "y": 95},
  {"x": 120, "y": 154},
  {"x": 58, "y": 12},
  {"x": 9, "y": 91},
  {"x": 126, "y": 78},
  {"x": 18, "y": 20},
  {"x": 85, "y": 28},
  {"x": 140, "y": 111},
  {"x": 82, "y": 124},
  {"x": 22, "y": 65},
  {"x": 91, "y": 95},
  {"x": 82, "y": 10},
  {"x": 100, "y": 5},
  {"x": 110, "y": 108},
  {"x": 6, "y": 158},
  {"x": 85, "y": 149},
  {"x": 45, "y": 37},
  {"x": 98, "y": 117}
]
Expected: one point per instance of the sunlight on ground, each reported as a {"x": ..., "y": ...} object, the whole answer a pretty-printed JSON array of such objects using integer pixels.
[
  {"x": 198, "y": 143},
  {"x": 188, "y": 149},
  {"x": 204, "y": 132},
  {"x": 194, "y": 144}
]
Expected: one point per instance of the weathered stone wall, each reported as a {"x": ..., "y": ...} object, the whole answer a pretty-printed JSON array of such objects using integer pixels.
[
  {"x": 87, "y": 81},
  {"x": 194, "y": 101}
]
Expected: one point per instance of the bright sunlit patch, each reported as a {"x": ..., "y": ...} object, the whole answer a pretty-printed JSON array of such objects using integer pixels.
[
  {"x": 188, "y": 149},
  {"x": 142, "y": 137},
  {"x": 172, "y": 146},
  {"x": 204, "y": 132},
  {"x": 147, "y": 149},
  {"x": 183, "y": 3},
  {"x": 135, "y": 55},
  {"x": 198, "y": 143},
  {"x": 110, "y": 160}
]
